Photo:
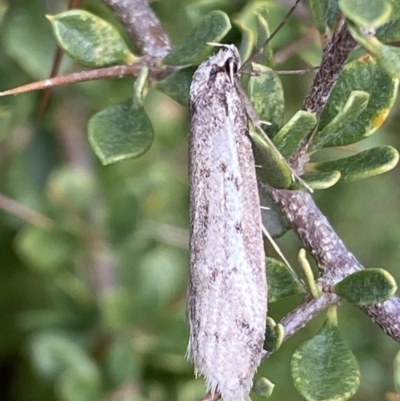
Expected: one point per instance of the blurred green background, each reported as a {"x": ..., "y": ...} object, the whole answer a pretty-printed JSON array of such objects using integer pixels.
[{"x": 92, "y": 291}]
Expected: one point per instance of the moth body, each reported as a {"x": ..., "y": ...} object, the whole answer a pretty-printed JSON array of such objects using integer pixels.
[{"x": 227, "y": 300}]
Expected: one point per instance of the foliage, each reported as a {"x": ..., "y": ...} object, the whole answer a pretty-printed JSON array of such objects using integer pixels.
[{"x": 94, "y": 287}]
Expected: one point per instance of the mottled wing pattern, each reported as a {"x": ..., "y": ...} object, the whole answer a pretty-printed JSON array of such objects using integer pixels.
[{"x": 227, "y": 291}]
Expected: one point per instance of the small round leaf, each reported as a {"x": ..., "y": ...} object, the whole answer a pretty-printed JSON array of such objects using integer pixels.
[
  {"x": 281, "y": 282},
  {"x": 364, "y": 164},
  {"x": 266, "y": 95},
  {"x": 89, "y": 39},
  {"x": 324, "y": 368},
  {"x": 120, "y": 132},
  {"x": 357, "y": 76},
  {"x": 194, "y": 48},
  {"x": 263, "y": 387},
  {"x": 369, "y": 286}
]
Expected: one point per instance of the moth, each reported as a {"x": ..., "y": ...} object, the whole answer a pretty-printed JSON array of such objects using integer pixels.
[{"x": 227, "y": 295}]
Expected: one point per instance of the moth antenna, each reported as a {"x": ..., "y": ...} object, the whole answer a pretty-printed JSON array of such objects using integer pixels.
[
  {"x": 259, "y": 51},
  {"x": 279, "y": 252}
]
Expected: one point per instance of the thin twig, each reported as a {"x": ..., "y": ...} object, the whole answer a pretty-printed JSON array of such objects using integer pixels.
[
  {"x": 261, "y": 48},
  {"x": 118, "y": 71},
  {"x": 25, "y": 213}
]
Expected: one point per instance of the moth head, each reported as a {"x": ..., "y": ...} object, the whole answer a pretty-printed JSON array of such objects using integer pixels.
[{"x": 227, "y": 60}]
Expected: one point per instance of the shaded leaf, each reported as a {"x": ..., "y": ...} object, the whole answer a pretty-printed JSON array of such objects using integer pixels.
[
  {"x": 177, "y": 85},
  {"x": 274, "y": 334},
  {"x": 369, "y": 286},
  {"x": 120, "y": 132},
  {"x": 27, "y": 38},
  {"x": 71, "y": 188},
  {"x": 324, "y": 368},
  {"x": 53, "y": 353},
  {"x": 114, "y": 309},
  {"x": 390, "y": 32},
  {"x": 272, "y": 217},
  {"x": 272, "y": 169},
  {"x": 364, "y": 164},
  {"x": 319, "y": 12},
  {"x": 199, "y": 9},
  {"x": 194, "y": 48},
  {"x": 248, "y": 40},
  {"x": 266, "y": 58},
  {"x": 89, "y": 39},
  {"x": 55, "y": 248},
  {"x": 74, "y": 385},
  {"x": 122, "y": 362},
  {"x": 281, "y": 282}
]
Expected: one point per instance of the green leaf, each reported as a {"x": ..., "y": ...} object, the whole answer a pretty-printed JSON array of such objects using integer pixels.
[
  {"x": 266, "y": 58},
  {"x": 357, "y": 76},
  {"x": 364, "y": 164},
  {"x": 369, "y": 286},
  {"x": 73, "y": 385},
  {"x": 274, "y": 334},
  {"x": 177, "y": 85},
  {"x": 333, "y": 132},
  {"x": 53, "y": 353},
  {"x": 114, "y": 309},
  {"x": 139, "y": 87},
  {"x": 71, "y": 188},
  {"x": 281, "y": 282},
  {"x": 321, "y": 180},
  {"x": 199, "y": 9},
  {"x": 308, "y": 274},
  {"x": 272, "y": 169},
  {"x": 122, "y": 362},
  {"x": 333, "y": 13},
  {"x": 389, "y": 59},
  {"x": 366, "y": 13},
  {"x": 266, "y": 94},
  {"x": 89, "y": 39},
  {"x": 324, "y": 368},
  {"x": 194, "y": 48},
  {"x": 44, "y": 250},
  {"x": 396, "y": 373},
  {"x": 120, "y": 132},
  {"x": 390, "y": 32},
  {"x": 319, "y": 12},
  {"x": 27, "y": 38},
  {"x": 289, "y": 137},
  {"x": 263, "y": 387},
  {"x": 248, "y": 39}
]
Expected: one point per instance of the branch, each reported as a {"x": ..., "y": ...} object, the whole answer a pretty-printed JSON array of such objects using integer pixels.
[
  {"x": 334, "y": 260},
  {"x": 25, "y": 213},
  {"x": 117, "y": 71},
  {"x": 142, "y": 26}
]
